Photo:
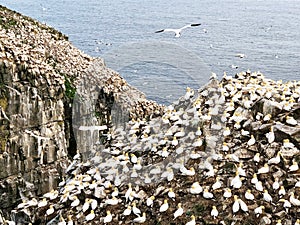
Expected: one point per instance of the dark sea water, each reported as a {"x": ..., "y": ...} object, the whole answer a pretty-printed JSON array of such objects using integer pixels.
[{"x": 162, "y": 66}]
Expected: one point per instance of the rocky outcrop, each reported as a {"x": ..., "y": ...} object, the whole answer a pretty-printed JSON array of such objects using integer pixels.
[
  {"x": 40, "y": 73},
  {"x": 219, "y": 155}
]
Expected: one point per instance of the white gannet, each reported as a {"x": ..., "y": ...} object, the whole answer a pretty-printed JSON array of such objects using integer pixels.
[
  {"x": 140, "y": 219},
  {"x": 214, "y": 212},
  {"x": 236, "y": 205},
  {"x": 259, "y": 210},
  {"x": 108, "y": 217},
  {"x": 178, "y": 31},
  {"x": 127, "y": 211},
  {"x": 164, "y": 207},
  {"x": 192, "y": 221},
  {"x": 249, "y": 195},
  {"x": 293, "y": 200},
  {"x": 227, "y": 193},
  {"x": 178, "y": 212},
  {"x": 171, "y": 194},
  {"x": 196, "y": 188},
  {"x": 90, "y": 216},
  {"x": 149, "y": 201},
  {"x": 267, "y": 197},
  {"x": 135, "y": 210},
  {"x": 243, "y": 205}
]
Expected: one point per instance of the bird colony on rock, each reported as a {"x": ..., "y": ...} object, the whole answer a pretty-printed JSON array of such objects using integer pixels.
[{"x": 225, "y": 154}]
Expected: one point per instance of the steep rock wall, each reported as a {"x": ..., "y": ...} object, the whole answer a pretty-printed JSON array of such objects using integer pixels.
[{"x": 39, "y": 73}]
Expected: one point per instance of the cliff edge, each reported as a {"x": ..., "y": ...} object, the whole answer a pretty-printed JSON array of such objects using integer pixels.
[{"x": 40, "y": 70}]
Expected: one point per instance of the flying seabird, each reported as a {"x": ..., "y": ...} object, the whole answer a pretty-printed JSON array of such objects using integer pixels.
[{"x": 178, "y": 31}]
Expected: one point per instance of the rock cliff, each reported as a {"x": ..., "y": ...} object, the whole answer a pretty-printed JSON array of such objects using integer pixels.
[{"x": 40, "y": 72}]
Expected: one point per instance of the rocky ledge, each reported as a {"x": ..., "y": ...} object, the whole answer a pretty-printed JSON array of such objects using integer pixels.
[
  {"x": 225, "y": 154},
  {"x": 40, "y": 72}
]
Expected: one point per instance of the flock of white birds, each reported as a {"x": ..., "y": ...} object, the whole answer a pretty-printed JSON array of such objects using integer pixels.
[{"x": 225, "y": 154}]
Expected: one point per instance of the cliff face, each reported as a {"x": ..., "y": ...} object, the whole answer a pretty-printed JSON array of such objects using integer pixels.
[{"x": 39, "y": 71}]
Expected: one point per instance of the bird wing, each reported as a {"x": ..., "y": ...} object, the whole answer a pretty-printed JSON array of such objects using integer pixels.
[
  {"x": 159, "y": 31},
  {"x": 168, "y": 30},
  {"x": 186, "y": 26},
  {"x": 190, "y": 25}
]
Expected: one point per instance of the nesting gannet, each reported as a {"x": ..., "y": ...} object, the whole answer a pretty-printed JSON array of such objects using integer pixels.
[
  {"x": 128, "y": 192},
  {"x": 266, "y": 196},
  {"x": 276, "y": 159},
  {"x": 149, "y": 201},
  {"x": 294, "y": 201},
  {"x": 226, "y": 132},
  {"x": 236, "y": 182},
  {"x": 217, "y": 184},
  {"x": 232, "y": 157},
  {"x": 251, "y": 141},
  {"x": 42, "y": 203},
  {"x": 264, "y": 169},
  {"x": 236, "y": 205},
  {"x": 90, "y": 216},
  {"x": 135, "y": 210},
  {"x": 196, "y": 188},
  {"x": 258, "y": 186},
  {"x": 249, "y": 195},
  {"x": 281, "y": 191},
  {"x": 214, "y": 212},
  {"x": 164, "y": 207},
  {"x": 140, "y": 219},
  {"x": 50, "y": 210},
  {"x": 178, "y": 31},
  {"x": 225, "y": 147},
  {"x": 254, "y": 179},
  {"x": 291, "y": 121},
  {"x": 192, "y": 221},
  {"x": 243, "y": 205},
  {"x": 271, "y": 135},
  {"x": 294, "y": 167},
  {"x": 178, "y": 212},
  {"x": 286, "y": 203},
  {"x": 259, "y": 210},
  {"x": 227, "y": 193},
  {"x": 276, "y": 184},
  {"x": 108, "y": 217},
  {"x": 112, "y": 201},
  {"x": 171, "y": 194},
  {"x": 127, "y": 211},
  {"x": 287, "y": 143},
  {"x": 256, "y": 157},
  {"x": 195, "y": 155},
  {"x": 207, "y": 194},
  {"x": 241, "y": 170},
  {"x": 86, "y": 205}
]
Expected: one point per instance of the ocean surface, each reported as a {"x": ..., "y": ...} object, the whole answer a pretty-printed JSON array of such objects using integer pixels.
[{"x": 122, "y": 32}]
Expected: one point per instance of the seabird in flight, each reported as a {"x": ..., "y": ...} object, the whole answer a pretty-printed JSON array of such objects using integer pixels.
[{"x": 178, "y": 31}]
